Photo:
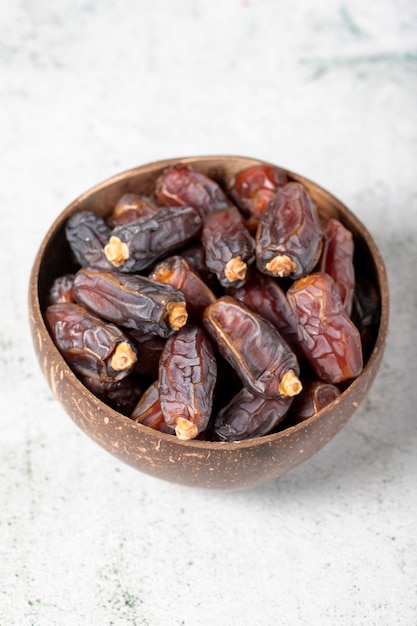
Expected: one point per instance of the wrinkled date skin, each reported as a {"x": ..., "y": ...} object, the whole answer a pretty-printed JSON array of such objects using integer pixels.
[
  {"x": 120, "y": 395},
  {"x": 329, "y": 339},
  {"x": 315, "y": 395},
  {"x": 181, "y": 185},
  {"x": 149, "y": 348},
  {"x": 90, "y": 346},
  {"x": 61, "y": 290},
  {"x": 176, "y": 272},
  {"x": 261, "y": 357},
  {"x": 132, "y": 301},
  {"x": 137, "y": 245},
  {"x": 148, "y": 411},
  {"x": 289, "y": 235},
  {"x": 255, "y": 186},
  {"x": 337, "y": 260},
  {"x": 130, "y": 207},
  {"x": 228, "y": 245},
  {"x": 187, "y": 376},
  {"x": 248, "y": 416},
  {"x": 87, "y": 234},
  {"x": 263, "y": 295}
]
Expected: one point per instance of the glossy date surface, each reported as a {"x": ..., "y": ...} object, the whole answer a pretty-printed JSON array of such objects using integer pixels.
[
  {"x": 329, "y": 339},
  {"x": 261, "y": 357}
]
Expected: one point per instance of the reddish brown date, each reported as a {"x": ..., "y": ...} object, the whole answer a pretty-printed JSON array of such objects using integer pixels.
[
  {"x": 137, "y": 245},
  {"x": 255, "y": 186},
  {"x": 228, "y": 245},
  {"x": 130, "y": 207},
  {"x": 315, "y": 395},
  {"x": 176, "y": 272},
  {"x": 148, "y": 411},
  {"x": 181, "y": 185},
  {"x": 87, "y": 234},
  {"x": 187, "y": 376},
  {"x": 337, "y": 259},
  {"x": 120, "y": 395},
  {"x": 90, "y": 346},
  {"x": 248, "y": 416},
  {"x": 261, "y": 357},
  {"x": 329, "y": 339},
  {"x": 264, "y": 295},
  {"x": 61, "y": 290},
  {"x": 289, "y": 235},
  {"x": 132, "y": 301}
]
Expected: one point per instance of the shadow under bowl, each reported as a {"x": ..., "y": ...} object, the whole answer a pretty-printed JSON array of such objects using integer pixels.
[{"x": 218, "y": 465}]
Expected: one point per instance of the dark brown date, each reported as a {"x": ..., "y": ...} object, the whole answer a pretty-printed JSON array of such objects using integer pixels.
[
  {"x": 337, "y": 259},
  {"x": 315, "y": 395},
  {"x": 148, "y": 411},
  {"x": 120, "y": 395},
  {"x": 228, "y": 245},
  {"x": 132, "y": 301},
  {"x": 248, "y": 416},
  {"x": 187, "y": 376},
  {"x": 366, "y": 308},
  {"x": 181, "y": 185},
  {"x": 137, "y": 245},
  {"x": 176, "y": 272},
  {"x": 87, "y": 234},
  {"x": 289, "y": 235},
  {"x": 61, "y": 290},
  {"x": 255, "y": 186},
  {"x": 328, "y": 338},
  {"x": 261, "y": 357},
  {"x": 90, "y": 346},
  {"x": 149, "y": 349},
  {"x": 130, "y": 207},
  {"x": 196, "y": 259},
  {"x": 264, "y": 295}
]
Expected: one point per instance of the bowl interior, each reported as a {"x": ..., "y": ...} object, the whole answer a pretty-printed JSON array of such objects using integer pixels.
[{"x": 207, "y": 464}]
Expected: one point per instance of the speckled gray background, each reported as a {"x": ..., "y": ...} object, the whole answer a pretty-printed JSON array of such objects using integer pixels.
[{"x": 88, "y": 89}]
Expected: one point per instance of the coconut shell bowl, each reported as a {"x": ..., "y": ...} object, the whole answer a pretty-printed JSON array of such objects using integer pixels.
[{"x": 198, "y": 462}]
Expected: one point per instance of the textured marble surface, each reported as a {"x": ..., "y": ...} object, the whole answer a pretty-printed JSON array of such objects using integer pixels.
[{"x": 88, "y": 89}]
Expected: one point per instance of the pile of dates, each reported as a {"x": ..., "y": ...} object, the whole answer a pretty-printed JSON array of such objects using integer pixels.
[{"x": 211, "y": 313}]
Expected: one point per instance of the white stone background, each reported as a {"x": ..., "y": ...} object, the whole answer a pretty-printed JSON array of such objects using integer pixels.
[{"x": 90, "y": 88}]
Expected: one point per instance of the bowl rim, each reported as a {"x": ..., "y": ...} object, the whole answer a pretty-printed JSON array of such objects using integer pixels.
[{"x": 35, "y": 308}]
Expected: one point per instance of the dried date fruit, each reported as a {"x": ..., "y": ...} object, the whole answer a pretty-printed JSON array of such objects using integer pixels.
[
  {"x": 248, "y": 416},
  {"x": 131, "y": 300},
  {"x": 120, "y": 395},
  {"x": 196, "y": 259},
  {"x": 137, "y": 245},
  {"x": 261, "y": 357},
  {"x": 264, "y": 295},
  {"x": 148, "y": 411},
  {"x": 130, "y": 207},
  {"x": 181, "y": 185},
  {"x": 329, "y": 339},
  {"x": 90, "y": 346},
  {"x": 61, "y": 290},
  {"x": 289, "y": 235},
  {"x": 176, "y": 272},
  {"x": 337, "y": 259},
  {"x": 366, "y": 309},
  {"x": 228, "y": 245},
  {"x": 87, "y": 234},
  {"x": 314, "y": 397},
  {"x": 255, "y": 186},
  {"x": 149, "y": 349},
  {"x": 187, "y": 376}
]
